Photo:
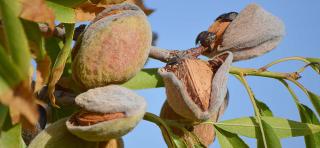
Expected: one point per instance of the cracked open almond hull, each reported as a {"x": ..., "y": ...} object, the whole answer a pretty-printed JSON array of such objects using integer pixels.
[
  {"x": 58, "y": 136},
  {"x": 196, "y": 106},
  {"x": 252, "y": 33},
  {"x": 107, "y": 112},
  {"x": 113, "y": 48},
  {"x": 205, "y": 132}
]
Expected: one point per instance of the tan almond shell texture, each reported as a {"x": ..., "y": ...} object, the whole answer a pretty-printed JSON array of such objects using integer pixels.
[
  {"x": 109, "y": 99},
  {"x": 180, "y": 101}
]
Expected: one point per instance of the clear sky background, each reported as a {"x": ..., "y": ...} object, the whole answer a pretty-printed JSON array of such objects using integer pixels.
[{"x": 178, "y": 22}]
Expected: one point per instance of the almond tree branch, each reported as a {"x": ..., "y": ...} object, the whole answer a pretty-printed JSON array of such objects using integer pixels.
[{"x": 168, "y": 56}]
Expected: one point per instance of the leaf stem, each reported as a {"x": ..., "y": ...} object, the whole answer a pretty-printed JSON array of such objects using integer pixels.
[
  {"x": 294, "y": 96},
  {"x": 283, "y": 60},
  {"x": 257, "y": 72},
  {"x": 255, "y": 106}
]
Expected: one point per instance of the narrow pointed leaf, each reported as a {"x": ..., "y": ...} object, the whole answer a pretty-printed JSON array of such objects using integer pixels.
[
  {"x": 272, "y": 141},
  {"x": 316, "y": 64},
  {"x": 15, "y": 35},
  {"x": 53, "y": 47},
  {"x": 315, "y": 99},
  {"x": 229, "y": 140},
  {"x": 263, "y": 108},
  {"x": 283, "y": 128},
  {"x": 308, "y": 116},
  {"x": 146, "y": 78},
  {"x": 60, "y": 62}
]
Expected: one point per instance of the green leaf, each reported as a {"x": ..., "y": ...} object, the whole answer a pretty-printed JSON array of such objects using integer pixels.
[
  {"x": 60, "y": 62},
  {"x": 248, "y": 126},
  {"x": 68, "y": 3},
  {"x": 3, "y": 115},
  {"x": 229, "y": 140},
  {"x": 62, "y": 13},
  {"x": 53, "y": 46},
  {"x": 308, "y": 116},
  {"x": 11, "y": 135},
  {"x": 146, "y": 78},
  {"x": 315, "y": 99},
  {"x": 171, "y": 139},
  {"x": 315, "y": 64},
  {"x": 179, "y": 142},
  {"x": 35, "y": 38},
  {"x": 263, "y": 108},
  {"x": 15, "y": 35},
  {"x": 272, "y": 141},
  {"x": 9, "y": 72}
]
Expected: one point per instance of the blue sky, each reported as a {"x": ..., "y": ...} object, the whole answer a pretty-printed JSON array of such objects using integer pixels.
[{"x": 178, "y": 22}]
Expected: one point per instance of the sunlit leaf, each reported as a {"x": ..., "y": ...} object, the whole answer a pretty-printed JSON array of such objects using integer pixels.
[
  {"x": 271, "y": 141},
  {"x": 11, "y": 135},
  {"x": 308, "y": 116},
  {"x": 37, "y": 11},
  {"x": 62, "y": 13},
  {"x": 229, "y": 140},
  {"x": 315, "y": 99},
  {"x": 59, "y": 64},
  {"x": 283, "y": 128},
  {"x": 146, "y": 78},
  {"x": 15, "y": 35}
]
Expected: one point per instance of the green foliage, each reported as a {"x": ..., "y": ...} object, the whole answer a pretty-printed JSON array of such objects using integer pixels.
[
  {"x": 146, "y": 78},
  {"x": 62, "y": 13},
  {"x": 11, "y": 135},
  {"x": 283, "y": 128},
  {"x": 15, "y": 35},
  {"x": 229, "y": 140}
]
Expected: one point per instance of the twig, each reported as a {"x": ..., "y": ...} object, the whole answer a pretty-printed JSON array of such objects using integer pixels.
[
  {"x": 257, "y": 72},
  {"x": 60, "y": 32},
  {"x": 255, "y": 106},
  {"x": 169, "y": 56}
]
